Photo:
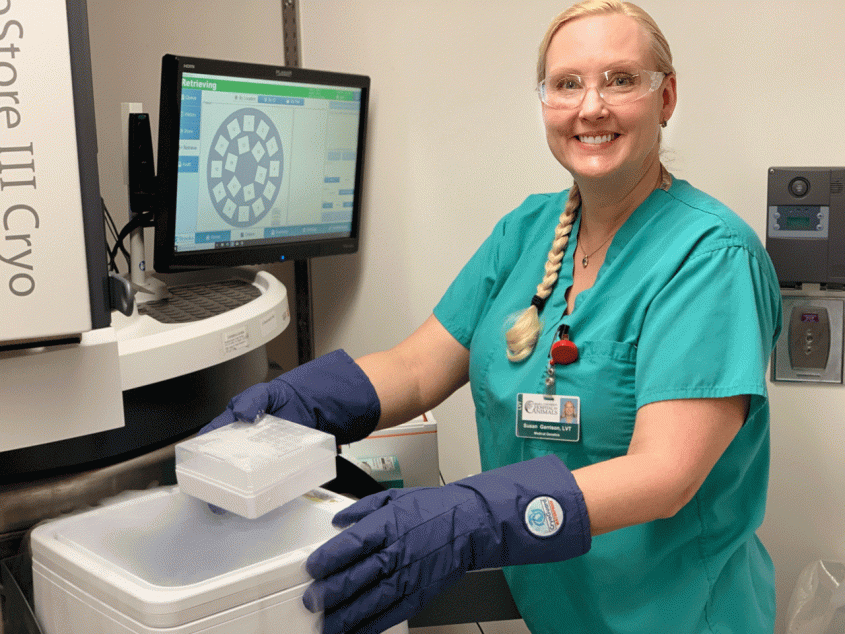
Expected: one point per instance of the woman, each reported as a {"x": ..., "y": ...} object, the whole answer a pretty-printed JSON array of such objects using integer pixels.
[
  {"x": 568, "y": 415},
  {"x": 646, "y": 521}
]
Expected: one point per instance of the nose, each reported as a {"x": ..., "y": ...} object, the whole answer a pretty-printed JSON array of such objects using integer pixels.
[{"x": 592, "y": 105}]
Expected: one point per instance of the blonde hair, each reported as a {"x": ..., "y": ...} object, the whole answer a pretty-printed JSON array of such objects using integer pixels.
[
  {"x": 659, "y": 44},
  {"x": 522, "y": 336}
]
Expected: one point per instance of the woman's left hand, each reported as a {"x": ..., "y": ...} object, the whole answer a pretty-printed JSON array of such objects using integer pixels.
[{"x": 407, "y": 545}]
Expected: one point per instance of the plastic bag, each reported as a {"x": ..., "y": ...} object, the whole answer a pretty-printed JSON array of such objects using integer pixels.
[{"x": 817, "y": 605}]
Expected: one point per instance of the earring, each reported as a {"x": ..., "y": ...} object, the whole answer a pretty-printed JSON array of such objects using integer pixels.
[{"x": 663, "y": 124}]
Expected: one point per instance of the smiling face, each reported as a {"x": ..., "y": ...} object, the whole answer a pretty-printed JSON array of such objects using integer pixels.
[{"x": 594, "y": 140}]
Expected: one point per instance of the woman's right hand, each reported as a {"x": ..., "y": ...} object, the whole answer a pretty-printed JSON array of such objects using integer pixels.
[{"x": 331, "y": 394}]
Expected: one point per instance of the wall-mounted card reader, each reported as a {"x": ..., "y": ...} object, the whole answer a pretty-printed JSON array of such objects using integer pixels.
[
  {"x": 810, "y": 345},
  {"x": 805, "y": 225}
]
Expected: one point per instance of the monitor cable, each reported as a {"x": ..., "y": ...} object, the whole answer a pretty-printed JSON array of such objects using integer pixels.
[
  {"x": 138, "y": 220},
  {"x": 111, "y": 226}
]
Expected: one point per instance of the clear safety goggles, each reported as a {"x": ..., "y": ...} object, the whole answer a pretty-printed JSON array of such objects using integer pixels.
[{"x": 615, "y": 87}]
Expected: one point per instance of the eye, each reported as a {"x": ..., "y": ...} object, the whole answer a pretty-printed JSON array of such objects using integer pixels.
[
  {"x": 567, "y": 83},
  {"x": 621, "y": 80},
  {"x": 563, "y": 83}
]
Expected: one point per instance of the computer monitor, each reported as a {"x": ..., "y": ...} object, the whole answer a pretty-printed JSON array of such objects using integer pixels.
[{"x": 257, "y": 163}]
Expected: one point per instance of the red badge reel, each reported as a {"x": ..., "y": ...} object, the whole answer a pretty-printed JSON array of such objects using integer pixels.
[{"x": 564, "y": 351}]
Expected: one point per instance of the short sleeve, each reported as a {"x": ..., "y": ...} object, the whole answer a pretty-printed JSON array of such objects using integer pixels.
[
  {"x": 465, "y": 302},
  {"x": 710, "y": 331}
]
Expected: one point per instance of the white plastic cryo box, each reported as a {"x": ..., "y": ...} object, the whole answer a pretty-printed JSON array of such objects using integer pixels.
[
  {"x": 253, "y": 468},
  {"x": 162, "y": 561}
]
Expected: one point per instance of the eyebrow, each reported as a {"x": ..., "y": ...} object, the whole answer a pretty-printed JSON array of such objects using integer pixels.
[{"x": 619, "y": 64}]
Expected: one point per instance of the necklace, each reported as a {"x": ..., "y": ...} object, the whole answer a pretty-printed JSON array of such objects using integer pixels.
[
  {"x": 586, "y": 259},
  {"x": 664, "y": 184}
]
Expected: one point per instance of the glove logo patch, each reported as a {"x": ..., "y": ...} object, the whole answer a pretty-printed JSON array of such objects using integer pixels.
[{"x": 544, "y": 516}]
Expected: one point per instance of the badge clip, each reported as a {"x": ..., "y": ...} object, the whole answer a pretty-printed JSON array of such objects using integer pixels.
[{"x": 564, "y": 351}]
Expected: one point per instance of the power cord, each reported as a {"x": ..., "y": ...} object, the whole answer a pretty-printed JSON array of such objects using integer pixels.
[
  {"x": 113, "y": 232},
  {"x": 143, "y": 219}
]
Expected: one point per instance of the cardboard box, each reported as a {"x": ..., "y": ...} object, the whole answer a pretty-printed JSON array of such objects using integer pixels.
[{"x": 414, "y": 444}]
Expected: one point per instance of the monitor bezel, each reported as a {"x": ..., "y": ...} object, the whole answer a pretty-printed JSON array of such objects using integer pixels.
[{"x": 165, "y": 257}]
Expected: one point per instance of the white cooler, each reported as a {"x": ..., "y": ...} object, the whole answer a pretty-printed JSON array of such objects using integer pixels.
[{"x": 162, "y": 562}]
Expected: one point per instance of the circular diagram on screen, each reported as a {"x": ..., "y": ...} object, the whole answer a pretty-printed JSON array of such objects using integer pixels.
[{"x": 245, "y": 167}]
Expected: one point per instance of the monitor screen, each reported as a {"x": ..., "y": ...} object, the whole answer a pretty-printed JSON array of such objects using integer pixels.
[{"x": 257, "y": 163}]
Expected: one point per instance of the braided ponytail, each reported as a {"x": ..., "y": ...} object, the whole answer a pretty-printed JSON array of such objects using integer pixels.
[{"x": 522, "y": 336}]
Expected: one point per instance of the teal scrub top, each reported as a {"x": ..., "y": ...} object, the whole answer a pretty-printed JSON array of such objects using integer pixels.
[{"x": 686, "y": 305}]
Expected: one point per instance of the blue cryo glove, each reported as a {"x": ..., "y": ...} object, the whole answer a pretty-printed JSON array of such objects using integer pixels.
[
  {"x": 407, "y": 545},
  {"x": 331, "y": 394}
]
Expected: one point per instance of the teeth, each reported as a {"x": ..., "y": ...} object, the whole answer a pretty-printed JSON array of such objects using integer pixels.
[{"x": 595, "y": 140}]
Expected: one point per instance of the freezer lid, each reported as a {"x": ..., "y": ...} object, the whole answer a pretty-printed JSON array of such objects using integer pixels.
[{"x": 165, "y": 554}]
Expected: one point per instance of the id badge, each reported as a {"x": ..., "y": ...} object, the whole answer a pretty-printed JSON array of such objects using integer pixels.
[{"x": 548, "y": 417}]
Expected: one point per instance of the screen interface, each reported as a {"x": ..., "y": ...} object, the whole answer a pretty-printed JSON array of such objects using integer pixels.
[
  {"x": 264, "y": 161},
  {"x": 799, "y": 217}
]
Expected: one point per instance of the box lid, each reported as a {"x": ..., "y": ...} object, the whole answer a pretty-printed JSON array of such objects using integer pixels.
[
  {"x": 253, "y": 467},
  {"x": 165, "y": 559}
]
